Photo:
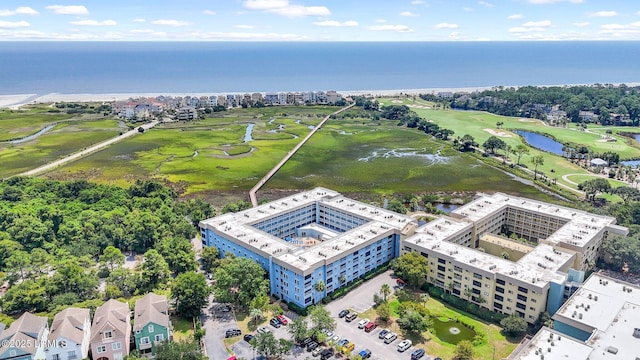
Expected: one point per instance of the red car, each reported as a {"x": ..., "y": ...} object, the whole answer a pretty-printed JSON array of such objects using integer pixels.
[
  {"x": 400, "y": 282},
  {"x": 282, "y": 319}
]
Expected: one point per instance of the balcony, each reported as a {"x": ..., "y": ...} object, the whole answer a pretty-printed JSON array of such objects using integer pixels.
[{"x": 144, "y": 346}]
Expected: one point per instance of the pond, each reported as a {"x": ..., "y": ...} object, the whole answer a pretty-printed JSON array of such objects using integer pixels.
[
  {"x": 247, "y": 133},
  {"x": 452, "y": 332},
  {"x": 31, "y": 137},
  {"x": 632, "y": 163},
  {"x": 447, "y": 207},
  {"x": 541, "y": 142}
]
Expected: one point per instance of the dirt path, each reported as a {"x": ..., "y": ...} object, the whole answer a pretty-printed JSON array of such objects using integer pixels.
[
  {"x": 254, "y": 190},
  {"x": 82, "y": 153}
]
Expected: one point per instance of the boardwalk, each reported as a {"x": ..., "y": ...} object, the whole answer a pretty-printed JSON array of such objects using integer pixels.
[
  {"x": 252, "y": 192},
  {"x": 82, "y": 153}
]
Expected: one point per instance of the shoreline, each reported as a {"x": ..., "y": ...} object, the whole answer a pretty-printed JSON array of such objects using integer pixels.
[{"x": 14, "y": 101}]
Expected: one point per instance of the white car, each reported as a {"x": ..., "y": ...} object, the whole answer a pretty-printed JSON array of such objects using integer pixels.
[
  {"x": 362, "y": 323},
  {"x": 317, "y": 351},
  {"x": 330, "y": 334},
  {"x": 404, "y": 345},
  {"x": 335, "y": 338},
  {"x": 263, "y": 330}
]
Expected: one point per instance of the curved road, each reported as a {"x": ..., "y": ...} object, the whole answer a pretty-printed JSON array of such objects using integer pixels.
[
  {"x": 252, "y": 192},
  {"x": 87, "y": 151}
]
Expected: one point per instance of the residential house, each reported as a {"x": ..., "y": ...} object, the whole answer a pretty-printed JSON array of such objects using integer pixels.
[
  {"x": 111, "y": 331},
  {"x": 151, "y": 325},
  {"x": 333, "y": 97},
  {"x": 213, "y": 100},
  {"x": 271, "y": 99},
  {"x": 321, "y": 97},
  {"x": 282, "y": 98},
  {"x": 231, "y": 101},
  {"x": 70, "y": 335},
  {"x": 25, "y": 339},
  {"x": 222, "y": 100},
  {"x": 256, "y": 98},
  {"x": 587, "y": 116},
  {"x": 186, "y": 113}
]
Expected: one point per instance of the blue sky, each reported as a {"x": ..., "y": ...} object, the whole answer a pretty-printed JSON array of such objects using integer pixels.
[{"x": 320, "y": 20}]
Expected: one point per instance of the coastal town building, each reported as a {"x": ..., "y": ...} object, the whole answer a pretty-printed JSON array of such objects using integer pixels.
[
  {"x": 70, "y": 335},
  {"x": 470, "y": 256},
  {"x": 186, "y": 113},
  {"x": 111, "y": 331},
  {"x": 598, "y": 322},
  {"x": 321, "y": 235},
  {"x": 151, "y": 325},
  {"x": 25, "y": 339},
  {"x": 313, "y": 236}
]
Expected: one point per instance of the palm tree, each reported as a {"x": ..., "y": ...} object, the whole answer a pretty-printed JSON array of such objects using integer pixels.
[
  {"x": 424, "y": 298},
  {"x": 467, "y": 293},
  {"x": 255, "y": 314},
  {"x": 449, "y": 287},
  {"x": 385, "y": 290}
]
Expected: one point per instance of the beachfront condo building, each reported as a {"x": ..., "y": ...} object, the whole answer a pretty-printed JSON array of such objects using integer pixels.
[
  {"x": 505, "y": 253},
  {"x": 510, "y": 254},
  {"x": 311, "y": 237},
  {"x": 598, "y": 322}
]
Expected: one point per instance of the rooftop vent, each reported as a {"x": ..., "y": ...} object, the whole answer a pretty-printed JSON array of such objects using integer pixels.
[
  {"x": 636, "y": 333},
  {"x": 612, "y": 350}
]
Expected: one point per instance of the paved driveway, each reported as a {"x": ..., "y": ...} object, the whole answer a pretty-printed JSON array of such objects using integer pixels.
[{"x": 216, "y": 321}]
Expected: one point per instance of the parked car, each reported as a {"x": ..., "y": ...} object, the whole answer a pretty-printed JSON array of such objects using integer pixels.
[
  {"x": 312, "y": 345},
  {"x": 330, "y": 334},
  {"x": 306, "y": 341},
  {"x": 404, "y": 345},
  {"x": 348, "y": 347},
  {"x": 362, "y": 323},
  {"x": 335, "y": 338},
  {"x": 343, "y": 313},
  {"x": 263, "y": 330},
  {"x": 326, "y": 353},
  {"x": 317, "y": 351},
  {"x": 275, "y": 323},
  {"x": 343, "y": 342},
  {"x": 401, "y": 282},
  {"x": 352, "y": 316},
  {"x": 248, "y": 337},
  {"x": 390, "y": 337},
  {"x": 417, "y": 354},
  {"x": 283, "y": 320},
  {"x": 232, "y": 332},
  {"x": 365, "y": 354},
  {"x": 370, "y": 326},
  {"x": 383, "y": 333}
]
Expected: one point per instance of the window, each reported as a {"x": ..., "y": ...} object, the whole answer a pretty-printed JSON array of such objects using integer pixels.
[
  {"x": 144, "y": 340},
  {"x": 477, "y": 283},
  {"x": 441, "y": 268},
  {"x": 442, "y": 261},
  {"x": 477, "y": 276},
  {"x": 522, "y": 298},
  {"x": 521, "y": 306},
  {"x": 56, "y": 357},
  {"x": 108, "y": 334},
  {"x": 498, "y": 281},
  {"x": 101, "y": 349},
  {"x": 498, "y": 297},
  {"x": 116, "y": 346},
  {"x": 497, "y": 306},
  {"x": 159, "y": 337},
  {"x": 150, "y": 328},
  {"x": 499, "y": 289},
  {"x": 522, "y": 289}
]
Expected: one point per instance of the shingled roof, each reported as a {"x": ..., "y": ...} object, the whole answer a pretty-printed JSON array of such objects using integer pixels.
[
  {"x": 26, "y": 330},
  {"x": 69, "y": 323},
  {"x": 152, "y": 308}
]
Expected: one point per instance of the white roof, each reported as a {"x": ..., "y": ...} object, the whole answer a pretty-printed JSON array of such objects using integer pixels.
[
  {"x": 563, "y": 348},
  {"x": 239, "y": 226}
]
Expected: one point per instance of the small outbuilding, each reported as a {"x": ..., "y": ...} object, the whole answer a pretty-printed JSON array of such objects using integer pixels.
[{"x": 599, "y": 162}]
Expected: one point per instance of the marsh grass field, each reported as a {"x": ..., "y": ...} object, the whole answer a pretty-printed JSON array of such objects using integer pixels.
[
  {"x": 482, "y": 125},
  {"x": 351, "y": 155}
]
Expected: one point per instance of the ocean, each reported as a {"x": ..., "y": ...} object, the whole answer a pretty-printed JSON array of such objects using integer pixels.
[{"x": 214, "y": 67}]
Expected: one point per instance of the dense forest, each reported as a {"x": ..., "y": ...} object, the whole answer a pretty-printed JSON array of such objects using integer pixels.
[
  {"x": 609, "y": 104},
  {"x": 58, "y": 238}
]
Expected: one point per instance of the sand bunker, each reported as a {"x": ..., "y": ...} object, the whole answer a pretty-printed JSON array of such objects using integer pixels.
[{"x": 498, "y": 133}]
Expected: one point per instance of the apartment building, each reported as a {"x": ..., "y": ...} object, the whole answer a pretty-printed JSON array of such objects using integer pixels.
[
  {"x": 598, "y": 322},
  {"x": 468, "y": 258},
  {"x": 314, "y": 236}
]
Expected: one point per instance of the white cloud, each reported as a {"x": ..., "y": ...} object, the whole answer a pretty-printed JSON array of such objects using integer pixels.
[
  {"x": 381, "y": 21},
  {"x": 555, "y": 1},
  {"x": 621, "y": 29},
  {"x": 94, "y": 23},
  {"x": 209, "y": 12},
  {"x": 148, "y": 32},
  {"x": 603, "y": 14},
  {"x": 139, "y": 20},
  {"x": 537, "y": 24},
  {"x": 581, "y": 24},
  {"x": 170, "y": 22},
  {"x": 397, "y": 28},
  {"x": 445, "y": 25},
  {"x": 408, "y": 13},
  {"x": 454, "y": 35},
  {"x": 13, "y": 24},
  {"x": 244, "y": 36},
  {"x": 22, "y": 10},
  {"x": 486, "y": 4},
  {"x": 515, "y": 16},
  {"x": 333, "y": 23},
  {"x": 284, "y": 8},
  {"x": 417, "y": 2},
  {"x": 243, "y": 26},
  {"x": 69, "y": 9}
]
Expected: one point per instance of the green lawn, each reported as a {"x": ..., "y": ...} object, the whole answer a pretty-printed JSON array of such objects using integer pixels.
[
  {"x": 182, "y": 328},
  {"x": 434, "y": 346},
  {"x": 16, "y": 124}
]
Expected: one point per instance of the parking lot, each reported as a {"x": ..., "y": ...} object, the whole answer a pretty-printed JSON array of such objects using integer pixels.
[{"x": 359, "y": 300}]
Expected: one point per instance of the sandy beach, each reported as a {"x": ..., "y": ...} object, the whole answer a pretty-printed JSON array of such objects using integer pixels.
[{"x": 15, "y": 101}]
